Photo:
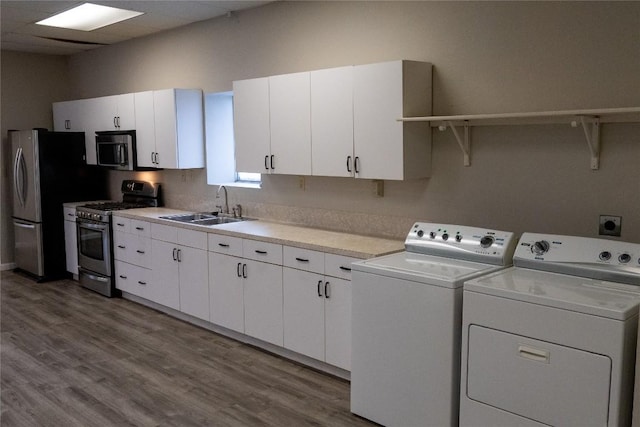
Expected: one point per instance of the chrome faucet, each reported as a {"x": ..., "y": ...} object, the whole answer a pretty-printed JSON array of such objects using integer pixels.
[{"x": 226, "y": 200}]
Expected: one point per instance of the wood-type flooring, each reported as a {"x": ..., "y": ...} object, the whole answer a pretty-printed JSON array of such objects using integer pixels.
[{"x": 71, "y": 357}]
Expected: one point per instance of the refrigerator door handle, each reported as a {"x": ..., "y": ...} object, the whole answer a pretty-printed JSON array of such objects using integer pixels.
[
  {"x": 23, "y": 225},
  {"x": 19, "y": 174}
]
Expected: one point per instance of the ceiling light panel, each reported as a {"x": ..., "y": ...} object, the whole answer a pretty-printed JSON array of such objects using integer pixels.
[{"x": 88, "y": 17}]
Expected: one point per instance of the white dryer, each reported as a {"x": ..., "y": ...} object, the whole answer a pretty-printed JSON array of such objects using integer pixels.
[
  {"x": 406, "y": 323},
  {"x": 552, "y": 340}
]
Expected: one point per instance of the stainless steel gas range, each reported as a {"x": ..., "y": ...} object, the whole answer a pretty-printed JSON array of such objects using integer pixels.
[{"x": 95, "y": 234}]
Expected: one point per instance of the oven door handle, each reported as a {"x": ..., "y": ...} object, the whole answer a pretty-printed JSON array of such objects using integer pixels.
[
  {"x": 91, "y": 226},
  {"x": 94, "y": 277}
]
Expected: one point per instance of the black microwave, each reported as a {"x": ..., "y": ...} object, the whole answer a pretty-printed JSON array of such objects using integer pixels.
[{"x": 116, "y": 150}]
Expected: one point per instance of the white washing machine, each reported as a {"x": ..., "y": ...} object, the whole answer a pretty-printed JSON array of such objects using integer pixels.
[
  {"x": 406, "y": 323},
  {"x": 552, "y": 340}
]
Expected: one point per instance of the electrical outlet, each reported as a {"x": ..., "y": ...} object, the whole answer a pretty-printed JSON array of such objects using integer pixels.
[{"x": 610, "y": 225}]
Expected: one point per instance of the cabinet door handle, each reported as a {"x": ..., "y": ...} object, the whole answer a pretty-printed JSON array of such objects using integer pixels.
[
  {"x": 223, "y": 245},
  {"x": 140, "y": 228},
  {"x": 115, "y": 125},
  {"x": 179, "y": 255},
  {"x": 238, "y": 269},
  {"x": 266, "y": 165},
  {"x": 68, "y": 214},
  {"x": 175, "y": 254},
  {"x": 261, "y": 252},
  {"x": 139, "y": 251},
  {"x": 345, "y": 268},
  {"x": 123, "y": 277},
  {"x": 348, "y": 163},
  {"x": 119, "y": 224},
  {"x": 152, "y": 159},
  {"x": 141, "y": 282},
  {"x": 273, "y": 166},
  {"x": 302, "y": 259},
  {"x": 356, "y": 163},
  {"x": 244, "y": 271},
  {"x": 326, "y": 290},
  {"x": 122, "y": 246},
  {"x": 320, "y": 288}
]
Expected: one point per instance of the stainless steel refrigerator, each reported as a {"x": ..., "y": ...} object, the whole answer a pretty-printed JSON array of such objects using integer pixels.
[{"x": 49, "y": 169}]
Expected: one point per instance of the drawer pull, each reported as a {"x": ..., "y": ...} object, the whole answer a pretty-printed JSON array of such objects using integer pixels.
[
  {"x": 223, "y": 245},
  {"x": 70, "y": 214},
  {"x": 123, "y": 277},
  {"x": 119, "y": 224},
  {"x": 302, "y": 259},
  {"x": 345, "y": 268},
  {"x": 141, "y": 282},
  {"x": 532, "y": 353},
  {"x": 140, "y": 252},
  {"x": 261, "y": 252},
  {"x": 122, "y": 246},
  {"x": 140, "y": 228}
]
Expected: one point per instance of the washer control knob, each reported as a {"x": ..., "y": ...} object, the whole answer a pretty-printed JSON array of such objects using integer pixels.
[
  {"x": 458, "y": 238},
  {"x": 605, "y": 255},
  {"x": 540, "y": 247},
  {"x": 420, "y": 233},
  {"x": 624, "y": 258},
  {"x": 432, "y": 234},
  {"x": 445, "y": 237},
  {"x": 487, "y": 241}
]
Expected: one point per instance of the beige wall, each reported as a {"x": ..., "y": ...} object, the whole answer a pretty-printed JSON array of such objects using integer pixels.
[
  {"x": 30, "y": 83},
  {"x": 487, "y": 56}
]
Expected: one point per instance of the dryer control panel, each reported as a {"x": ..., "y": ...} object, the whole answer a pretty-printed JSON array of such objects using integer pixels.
[
  {"x": 461, "y": 242},
  {"x": 580, "y": 256}
]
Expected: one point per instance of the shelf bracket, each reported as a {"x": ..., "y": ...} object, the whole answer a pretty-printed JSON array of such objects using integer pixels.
[
  {"x": 464, "y": 143},
  {"x": 593, "y": 139}
]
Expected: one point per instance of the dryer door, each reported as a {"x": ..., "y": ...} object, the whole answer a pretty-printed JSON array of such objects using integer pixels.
[{"x": 545, "y": 382}]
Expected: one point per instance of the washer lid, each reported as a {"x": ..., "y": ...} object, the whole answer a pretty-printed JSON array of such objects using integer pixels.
[
  {"x": 590, "y": 296},
  {"x": 428, "y": 269}
]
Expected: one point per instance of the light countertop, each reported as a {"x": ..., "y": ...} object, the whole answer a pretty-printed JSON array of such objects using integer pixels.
[{"x": 338, "y": 243}]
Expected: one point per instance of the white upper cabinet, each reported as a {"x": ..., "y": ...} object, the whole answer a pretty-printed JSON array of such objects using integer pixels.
[
  {"x": 109, "y": 113},
  {"x": 336, "y": 122},
  {"x": 69, "y": 116},
  {"x": 170, "y": 128},
  {"x": 290, "y": 119},
  {"x": 385, "y": 148},
  {"x": 251, "y": 125},
  {"x": 332, "y": 122}
]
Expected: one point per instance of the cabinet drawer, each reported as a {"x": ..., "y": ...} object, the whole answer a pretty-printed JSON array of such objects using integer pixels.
[
  {"x": 166, "y": 233},
  {"x": 193, "y": 239},
  {"x": 338, "y": 265},
  {"x": 140, "y": 228},
  {"x": 121, "y": 245},
  {"x": 225, "y": 244},
  {"x": 121, "y": 224},
  {"x": 303, "y": 259},
  {"x": 69, "y": 214},
  {"x": 262, "y": 251},
  {"x": 132, "y": 279}
]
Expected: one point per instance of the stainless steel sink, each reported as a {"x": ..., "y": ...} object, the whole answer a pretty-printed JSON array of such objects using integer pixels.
[{"x": 202, "y": 219}]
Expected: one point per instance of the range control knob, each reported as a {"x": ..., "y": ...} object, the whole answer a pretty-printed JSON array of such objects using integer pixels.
[
  {"x": 487, "y": 241},
  {"x": 624, "y": 258},
  {"x": 458, "y": 238},
  {"x": 432, "y": 234},
  {"x": 540, "y": 247},
  {"x": 420, "y": 233},
  {"x": 445, "y": 237},
  {"x": 605, "y": 255}
]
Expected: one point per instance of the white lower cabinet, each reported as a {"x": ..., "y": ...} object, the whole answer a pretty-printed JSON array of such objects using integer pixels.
[
  {"x": 132, "y": 253},
  {"x": 245, "y": 287},
  {"x": 317, "y": 306},
  {"x": 180, "y": 271},
  {"x": 71, "y": 240}
]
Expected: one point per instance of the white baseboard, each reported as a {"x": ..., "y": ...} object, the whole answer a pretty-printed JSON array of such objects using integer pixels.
[{"x": 7, "y": 266}]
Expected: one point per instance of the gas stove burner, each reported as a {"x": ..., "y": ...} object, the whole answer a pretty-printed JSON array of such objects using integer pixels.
[{"x": 114, "y": 206}]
